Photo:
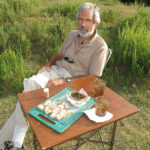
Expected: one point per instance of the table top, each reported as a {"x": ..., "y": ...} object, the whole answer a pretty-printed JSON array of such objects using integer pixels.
[{"x": 47, "y": 137}]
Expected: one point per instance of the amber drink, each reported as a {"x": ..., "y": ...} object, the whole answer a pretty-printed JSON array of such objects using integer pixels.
[
  {"x": 99, "y": 86},
  {"x": 101, "y": 105}
]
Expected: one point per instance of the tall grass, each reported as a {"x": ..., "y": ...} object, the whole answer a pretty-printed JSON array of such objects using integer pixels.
[
  {"x": 34, "y": 30},
  {"x": 66, "y": 9},
  {"x": 132, "y": 48},
  {"x": 109, "y": 26},
  {"x": 13, "y": 70},
  {"x": 3, "y": 38}
]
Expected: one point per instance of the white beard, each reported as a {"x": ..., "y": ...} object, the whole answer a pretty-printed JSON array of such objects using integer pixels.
[{"x": 87, "y": 33}]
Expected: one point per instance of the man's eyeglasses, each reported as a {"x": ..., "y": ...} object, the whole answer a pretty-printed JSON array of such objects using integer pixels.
[{"x": 68, "y": 60}]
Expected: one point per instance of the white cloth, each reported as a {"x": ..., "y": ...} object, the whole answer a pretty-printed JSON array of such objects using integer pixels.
[
  {"x": 16, "y": 126},
  {"x": 92, "y": 116}
]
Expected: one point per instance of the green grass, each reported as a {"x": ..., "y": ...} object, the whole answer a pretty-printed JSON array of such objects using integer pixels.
[{"x": 30, "y": 34}]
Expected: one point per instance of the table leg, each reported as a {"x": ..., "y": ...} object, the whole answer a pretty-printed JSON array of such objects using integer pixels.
[{"x": 111, "y": 143}]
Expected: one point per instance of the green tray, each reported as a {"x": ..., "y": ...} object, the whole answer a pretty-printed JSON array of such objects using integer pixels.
[{"x": 61, "y": 125}]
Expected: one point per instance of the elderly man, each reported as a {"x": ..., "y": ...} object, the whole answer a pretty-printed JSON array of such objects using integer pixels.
[{"x": 83, "y": 52}]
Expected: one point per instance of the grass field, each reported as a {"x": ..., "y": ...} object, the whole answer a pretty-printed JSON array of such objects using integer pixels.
[{"x": 30, "y": 34}]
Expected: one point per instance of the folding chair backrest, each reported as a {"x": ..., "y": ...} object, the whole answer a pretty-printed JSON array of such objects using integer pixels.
[{"x": 108, "y": 56}]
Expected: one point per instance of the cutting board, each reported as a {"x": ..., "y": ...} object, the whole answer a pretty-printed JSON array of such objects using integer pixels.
[{"x": 61, "y": 125}]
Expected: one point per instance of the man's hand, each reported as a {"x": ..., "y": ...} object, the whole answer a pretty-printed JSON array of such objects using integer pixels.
[
  {"x": 44, "y": 68},
  {"x": 55, "y": 82}
]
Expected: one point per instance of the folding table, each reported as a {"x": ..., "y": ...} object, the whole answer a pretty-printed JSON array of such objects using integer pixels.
[{"x": 48, "y": 138}]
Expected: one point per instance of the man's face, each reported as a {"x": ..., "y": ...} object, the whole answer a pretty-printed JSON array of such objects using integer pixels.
[{"x": 86, "y": 23}]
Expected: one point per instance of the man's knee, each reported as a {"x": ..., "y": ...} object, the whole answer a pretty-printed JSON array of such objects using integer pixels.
[{"x": 30, "y": 85}]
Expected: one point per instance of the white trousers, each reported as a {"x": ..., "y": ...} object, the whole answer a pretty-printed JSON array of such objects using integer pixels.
[{"x": 16, "y": 126}]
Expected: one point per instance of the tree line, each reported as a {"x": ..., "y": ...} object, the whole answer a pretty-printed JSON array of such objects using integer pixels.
[{"x": 146, "y": 2}]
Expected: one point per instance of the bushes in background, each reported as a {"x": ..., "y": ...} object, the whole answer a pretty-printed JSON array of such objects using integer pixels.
[
  {"x": 13, "y": 70},
  {"x": 132, "y": 49},
  {"x": 34, "y": 28}
]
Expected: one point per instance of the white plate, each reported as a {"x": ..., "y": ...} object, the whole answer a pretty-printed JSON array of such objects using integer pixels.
[{"x": 78, "y": 103}]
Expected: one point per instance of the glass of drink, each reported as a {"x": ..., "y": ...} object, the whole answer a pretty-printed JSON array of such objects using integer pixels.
[
  {"x": 101, "y": 105},
  {"x": 99, "y": 86}
]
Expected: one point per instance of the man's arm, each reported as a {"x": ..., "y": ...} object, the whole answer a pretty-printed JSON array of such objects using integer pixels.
[
  {"x": 54, "y": 82},
  {"x": 53, "y": 59},
  {"x": 51, "y": 62}
]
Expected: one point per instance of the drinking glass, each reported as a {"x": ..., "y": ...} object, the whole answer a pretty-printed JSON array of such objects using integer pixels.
[
  {"x": 101, "y": 105},
  {"x": 99, "y": 86}
]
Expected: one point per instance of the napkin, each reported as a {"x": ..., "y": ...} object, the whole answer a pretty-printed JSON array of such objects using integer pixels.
[
  {"x": 79, "y": 103},
  {"x": 92, "y": 116}
]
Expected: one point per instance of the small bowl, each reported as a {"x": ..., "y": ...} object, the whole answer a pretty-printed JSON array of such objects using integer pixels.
[
  {"x": 76, "y": 96},
  {"x": 77, "y": 101}
]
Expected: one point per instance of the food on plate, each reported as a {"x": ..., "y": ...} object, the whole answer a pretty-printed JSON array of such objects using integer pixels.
[
  {"x": 75, "y": 95},
  {"x": 58, "y": 109}
]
